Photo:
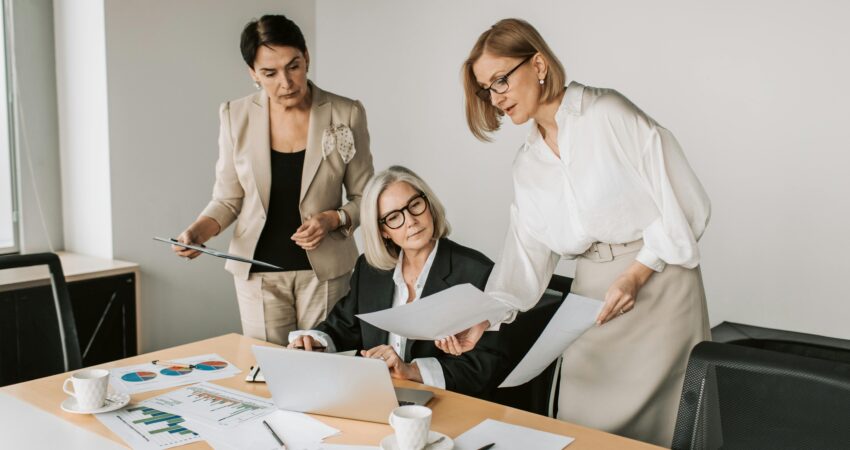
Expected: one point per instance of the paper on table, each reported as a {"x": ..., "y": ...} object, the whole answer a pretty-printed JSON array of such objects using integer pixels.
[
  {"x": 439, "y": 315},
  {"x": 148, "y": 428},
  {"x": 575, "y": 316},
  {"x": 212, "y": 404},
  {"x": 149, "y": 377},
  {"x": 506, "y": 435},
  {"x": 297, "y": 430}
]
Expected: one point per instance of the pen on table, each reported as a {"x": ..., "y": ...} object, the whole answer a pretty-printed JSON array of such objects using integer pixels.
[
  {"x": 276, "y": 437},
  {"x": 158, "y": 362},
  {"x": 488, "y": 446}
]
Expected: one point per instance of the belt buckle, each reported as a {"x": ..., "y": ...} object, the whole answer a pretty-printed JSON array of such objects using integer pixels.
[{"x": 604, "y": 252}]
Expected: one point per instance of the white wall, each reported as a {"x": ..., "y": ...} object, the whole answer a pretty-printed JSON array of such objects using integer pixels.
[
  {"x": 755, "y": 91},
  {"x": 83, "y": 126},
  {"x": 170, "y": 64}
]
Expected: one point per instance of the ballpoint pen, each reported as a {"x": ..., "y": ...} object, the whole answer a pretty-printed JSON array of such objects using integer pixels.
[
  {"x": 488, "y": 446},
  {"x": 158, "y": 362},
  {"x": 276, "y": 437}
]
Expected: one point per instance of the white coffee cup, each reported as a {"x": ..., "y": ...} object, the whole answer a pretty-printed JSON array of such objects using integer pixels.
[
  {"x": 411, "y": 424},
  {"x": 90, "y": 388}
]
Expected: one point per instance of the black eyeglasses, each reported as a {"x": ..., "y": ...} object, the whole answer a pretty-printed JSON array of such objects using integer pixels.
[
  {"x": 499, "y": 85},
  {"x": 416, "y": 206}
]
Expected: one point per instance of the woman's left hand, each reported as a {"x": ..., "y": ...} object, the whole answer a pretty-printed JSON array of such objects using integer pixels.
[
  {"x": 398, "y": 368},
  {"x": 623, "y": 292},
  {"x": 310, "y": 234}
]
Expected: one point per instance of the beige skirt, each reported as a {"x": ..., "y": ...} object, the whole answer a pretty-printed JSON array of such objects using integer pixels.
[{"x": 626, "y": 376}]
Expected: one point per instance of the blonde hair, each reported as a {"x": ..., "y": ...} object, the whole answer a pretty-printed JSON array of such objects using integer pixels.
[
  {"x": 512, "y": 38},
  {"x": 381, "y": 253}
]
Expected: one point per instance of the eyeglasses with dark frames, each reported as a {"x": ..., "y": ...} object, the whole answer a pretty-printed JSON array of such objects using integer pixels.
[
  {"x": 395, "y": 219},
  {"x": 499, "y": 85}
]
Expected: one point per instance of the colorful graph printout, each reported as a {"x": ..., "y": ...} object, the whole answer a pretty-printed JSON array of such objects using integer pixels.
[
  {"x": 148, "y": 428},
  {"x": 175, "y": 371},
  {"x": 150, "y": 377},
  {"x": 211, "y": 365},
  {"x": 136, "y": 377},
  {"x": 213, "y": 405}
]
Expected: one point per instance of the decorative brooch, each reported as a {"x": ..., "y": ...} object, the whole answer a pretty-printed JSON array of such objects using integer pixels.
[{"x": 339, "y": 138}]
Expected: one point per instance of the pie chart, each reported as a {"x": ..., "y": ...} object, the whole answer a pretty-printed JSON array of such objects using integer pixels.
[
  {"x": 135, "y": 377},
  {"x": 175, "y": 371},
  {"x": 211, "y": 365}
]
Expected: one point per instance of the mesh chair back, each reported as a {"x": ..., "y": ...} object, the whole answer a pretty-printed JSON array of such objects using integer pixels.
[
  {"x": 39, "y": 336},
  {"x": 738, "y": 397}
]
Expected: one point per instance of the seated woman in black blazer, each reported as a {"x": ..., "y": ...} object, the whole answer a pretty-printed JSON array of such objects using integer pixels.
[{"x": 407, "y": 256}]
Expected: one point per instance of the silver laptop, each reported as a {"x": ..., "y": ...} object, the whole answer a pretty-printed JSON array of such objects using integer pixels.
[{"x": 333, "y": 385}]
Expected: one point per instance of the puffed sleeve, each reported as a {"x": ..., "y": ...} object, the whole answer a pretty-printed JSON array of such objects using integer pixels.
[
  {"x": 359, "y": 170},
  {"x": 227, "y": 191},
  {"x": 683, "y": 205},
  {"x": 523, "y": 271}
]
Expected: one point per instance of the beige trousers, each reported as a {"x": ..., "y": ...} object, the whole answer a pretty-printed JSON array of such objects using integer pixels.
[
  {"x": 626, "y": 376},
  {"x": 271, "y": 304}
]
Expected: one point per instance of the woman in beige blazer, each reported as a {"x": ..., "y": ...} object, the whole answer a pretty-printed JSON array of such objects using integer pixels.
[{"x": 285, "y": 154}]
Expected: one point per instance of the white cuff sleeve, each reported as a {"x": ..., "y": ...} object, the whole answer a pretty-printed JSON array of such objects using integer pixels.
[
  {"x": 649, "y": 259},
  {"x": 431, "y": 371},
  {"x": 323, "y": 338}
]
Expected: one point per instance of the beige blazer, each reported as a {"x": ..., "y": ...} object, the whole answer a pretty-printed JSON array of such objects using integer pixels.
[{"x": 243, "y": 177}]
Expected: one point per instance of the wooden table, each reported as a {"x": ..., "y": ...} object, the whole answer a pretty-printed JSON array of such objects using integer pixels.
[{"x": 453, "y": 413}]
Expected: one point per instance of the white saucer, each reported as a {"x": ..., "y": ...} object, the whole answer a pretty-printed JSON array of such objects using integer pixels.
[
  {"x": 390, "y": 443},
  {"x": 113, "y": 401}
]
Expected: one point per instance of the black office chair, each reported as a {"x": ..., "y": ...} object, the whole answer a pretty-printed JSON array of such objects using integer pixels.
[
  {"x": 38, "y": 336},
  {"x": 735, "y": 397},
  {"x": 539, "y": 395}
]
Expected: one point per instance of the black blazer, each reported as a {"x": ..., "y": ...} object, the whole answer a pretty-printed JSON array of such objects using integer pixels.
[{"x": 474, "y": 372}]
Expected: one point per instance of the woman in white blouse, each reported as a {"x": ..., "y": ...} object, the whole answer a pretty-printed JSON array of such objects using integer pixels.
[{"x": 598, "y": 180}]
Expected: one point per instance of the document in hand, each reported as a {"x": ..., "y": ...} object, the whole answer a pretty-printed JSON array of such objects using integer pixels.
[
  {"x": 506, "y": 435},
  {"x": 575, "y": 316},
  {"x": 439, "y": 315}
]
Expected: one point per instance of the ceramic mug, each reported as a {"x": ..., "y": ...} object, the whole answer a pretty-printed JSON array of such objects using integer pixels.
[
  {"x": 411, "y": 424},
  {"x": 90, "y": 388}
]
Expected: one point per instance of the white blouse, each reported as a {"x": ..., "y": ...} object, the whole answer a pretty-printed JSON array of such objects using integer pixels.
[{"x": 621, "y": 177}]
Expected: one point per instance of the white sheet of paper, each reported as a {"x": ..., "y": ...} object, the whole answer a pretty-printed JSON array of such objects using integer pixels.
[
  {"x": 575, "y": 316},
  {"x": 212, "y": 404},
  {"x": 439, "y": 315},
  {"x": 148, "y": 377},
  {"x": 506, "y": 435},
  {"x": 146, "y": 428},
  {"x": 297, "y": 430}
]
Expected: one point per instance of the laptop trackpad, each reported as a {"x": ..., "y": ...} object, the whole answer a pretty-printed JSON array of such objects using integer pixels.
[{"x": 413, "y": 396}]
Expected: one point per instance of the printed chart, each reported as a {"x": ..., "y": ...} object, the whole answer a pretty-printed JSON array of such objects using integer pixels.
[
  {"x": 149, "y": 377},
  {"x": 213, "y": 404},
  {"x": 148, "y": 428}
]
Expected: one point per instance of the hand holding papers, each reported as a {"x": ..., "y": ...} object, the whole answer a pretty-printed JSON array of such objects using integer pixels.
[
  {"x": 575, "y": 316},
  {"x": 439, "y": 315}
]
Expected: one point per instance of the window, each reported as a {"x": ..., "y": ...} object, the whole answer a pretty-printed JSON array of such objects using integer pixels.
[{"x": 8, "y": 207}]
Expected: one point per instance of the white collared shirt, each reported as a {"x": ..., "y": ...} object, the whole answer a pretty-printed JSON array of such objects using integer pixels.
[
  {"x": 620, "y": 177},
  {"x": 429, "y": 368}
]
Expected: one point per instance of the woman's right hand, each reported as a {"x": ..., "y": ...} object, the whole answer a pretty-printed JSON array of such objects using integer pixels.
[
  {"x": 199, "y": 232},
  {"x": 463, "y": 341},
  {"x": 306, "y": 342}
]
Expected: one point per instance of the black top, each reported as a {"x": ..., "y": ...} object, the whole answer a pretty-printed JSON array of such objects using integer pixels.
[
  {"x": 476, "y": 372},
  {"x": 275, "y": 245}
]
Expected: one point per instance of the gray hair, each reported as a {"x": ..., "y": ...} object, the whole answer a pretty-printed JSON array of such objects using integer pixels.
[{"x": 384, "y": 254}]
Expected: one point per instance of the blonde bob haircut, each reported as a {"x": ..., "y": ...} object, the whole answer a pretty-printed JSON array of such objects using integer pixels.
[
  {"x": 511, "y": 38},
  {"x": 383, "y": 253}
]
